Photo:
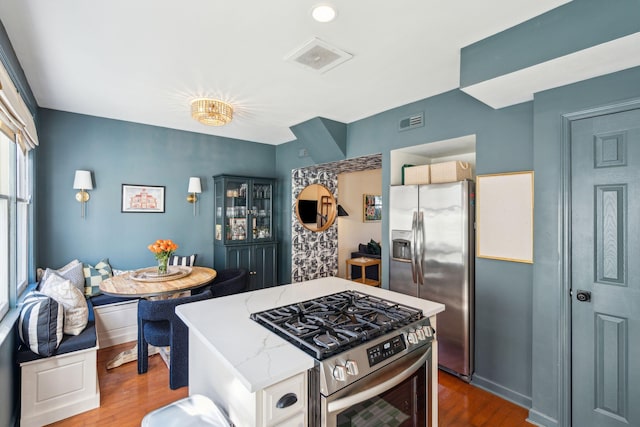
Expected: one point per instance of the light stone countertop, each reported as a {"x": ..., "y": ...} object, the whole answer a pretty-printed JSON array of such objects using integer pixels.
[{"x": 256, "y": 356}]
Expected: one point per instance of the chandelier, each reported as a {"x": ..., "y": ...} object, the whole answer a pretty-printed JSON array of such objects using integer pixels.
[{"x": 211, "y": 112}]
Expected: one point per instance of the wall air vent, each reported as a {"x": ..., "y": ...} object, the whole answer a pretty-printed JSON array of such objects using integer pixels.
[
  {"x": 411, "y": 122},
  {"x": 318, "y": 55}
]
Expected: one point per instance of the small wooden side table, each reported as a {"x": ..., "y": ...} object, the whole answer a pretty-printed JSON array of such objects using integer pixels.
[{"x": 364, "y": 263}]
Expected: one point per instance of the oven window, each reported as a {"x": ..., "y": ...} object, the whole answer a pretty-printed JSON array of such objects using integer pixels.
[{"x": 405, "y": 405}]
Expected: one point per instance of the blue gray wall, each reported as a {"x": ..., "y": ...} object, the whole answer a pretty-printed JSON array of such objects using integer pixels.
[
  {"x": 119, "y": 153},
  {"x": 517, "y": 340},
  {"x": 287, "y": 159},
  {"x": 503, "y": 289},
  {"x": 577, "y": 25},
  {"x": 547, "y": 295}
]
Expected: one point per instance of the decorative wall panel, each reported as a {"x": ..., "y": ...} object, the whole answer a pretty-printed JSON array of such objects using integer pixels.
[{"x": 315, "y": 254}]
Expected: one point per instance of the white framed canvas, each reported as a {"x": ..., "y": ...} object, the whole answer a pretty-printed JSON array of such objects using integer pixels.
[
  {"x": 504, "y": 216},
  {"x": 142, "y": 198}
]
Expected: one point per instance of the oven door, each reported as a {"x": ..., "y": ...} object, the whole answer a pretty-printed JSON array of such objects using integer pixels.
[{"x": 395, "y": 395}]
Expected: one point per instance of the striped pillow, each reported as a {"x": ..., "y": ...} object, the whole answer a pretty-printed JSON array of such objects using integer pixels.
[
  {"x": 40, "y": 324},
  {"x": 184, "y": 261}
]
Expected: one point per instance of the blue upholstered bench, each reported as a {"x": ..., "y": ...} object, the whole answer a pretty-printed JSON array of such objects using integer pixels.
[
  {"x": 70, "y": 343},
  {"x": 116, "y": 319},
  {"x": 62, "y": 385},
  {"x": 103, "y": 299}
]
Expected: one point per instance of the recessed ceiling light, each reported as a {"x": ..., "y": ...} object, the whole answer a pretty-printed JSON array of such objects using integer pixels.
[{"x": 323, "y": 13}]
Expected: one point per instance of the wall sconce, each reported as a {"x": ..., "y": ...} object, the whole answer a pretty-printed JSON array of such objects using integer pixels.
[
  {"x": 341, "y": 211},
  {"x": 82, "y": 182},
  {"x": 194, "y": 187}
]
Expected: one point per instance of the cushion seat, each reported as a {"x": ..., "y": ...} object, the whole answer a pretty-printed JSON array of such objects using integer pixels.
[
  {"x": 104, "y": 299},
  {"x": 157, "y": 331},
  {"x": 86, "y": 339}
]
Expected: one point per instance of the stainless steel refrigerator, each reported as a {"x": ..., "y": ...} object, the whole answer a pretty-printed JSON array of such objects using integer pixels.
[{"x": 432, "y": 257}]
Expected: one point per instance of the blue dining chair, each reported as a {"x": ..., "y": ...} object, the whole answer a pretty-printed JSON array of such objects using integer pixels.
[
  {"x": 159, "y": 325},
  {"x": 230, "y": 281}
]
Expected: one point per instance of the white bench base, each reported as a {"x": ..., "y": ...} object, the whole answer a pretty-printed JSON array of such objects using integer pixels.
[
  {"x": 116, "y": 323},
  {"x": 58, "y": 387}
]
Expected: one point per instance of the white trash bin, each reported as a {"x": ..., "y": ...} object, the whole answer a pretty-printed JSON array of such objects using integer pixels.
[{"x": 192, "y": 411}]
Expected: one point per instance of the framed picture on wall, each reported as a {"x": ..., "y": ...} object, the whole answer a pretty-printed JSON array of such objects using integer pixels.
[
  {"x": 142, "y": 198},
  {"x": 372, "y": 208},
  {"x": 504, "y": 216}
]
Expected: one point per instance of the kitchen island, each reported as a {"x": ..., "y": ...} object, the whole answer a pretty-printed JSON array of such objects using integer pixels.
[{"x": 237, "y": 362}]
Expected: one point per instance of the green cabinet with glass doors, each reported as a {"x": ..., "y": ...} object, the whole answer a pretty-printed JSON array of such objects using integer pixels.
[{"x": 244, "y": 227}]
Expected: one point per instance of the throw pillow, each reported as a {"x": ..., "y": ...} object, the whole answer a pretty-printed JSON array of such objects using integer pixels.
[
  {"x": 40, "y": 324},
  {"x": 40, "y": 271},
  {"x": 76, "y": 311},
  {"x": 373, "y": 247},
  {"x": 93, "y": 276},
  {"x": 72, "y": 271},
  {"x": 184, "y": 261}
]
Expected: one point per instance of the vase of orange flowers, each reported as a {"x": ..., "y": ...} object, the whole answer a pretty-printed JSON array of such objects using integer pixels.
[{"x": 162, "y": 250}]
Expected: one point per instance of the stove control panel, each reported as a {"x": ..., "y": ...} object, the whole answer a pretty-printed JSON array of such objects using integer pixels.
[
  {"x": 386, "y": 349},
  {"x": 340, "y": 372},
  {"x": 345, "y": 368}
]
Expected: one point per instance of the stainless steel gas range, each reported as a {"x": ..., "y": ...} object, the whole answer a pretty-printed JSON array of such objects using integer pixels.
[{"x": 373, "y": 358}]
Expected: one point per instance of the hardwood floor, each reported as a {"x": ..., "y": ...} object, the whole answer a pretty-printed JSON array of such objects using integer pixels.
[
  {"x": 125, "y": 398},
  {"x": 463, "y": 405}
]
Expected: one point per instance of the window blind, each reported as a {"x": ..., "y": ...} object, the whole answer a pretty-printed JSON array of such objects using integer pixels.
[{"x": 15, "y": 119}]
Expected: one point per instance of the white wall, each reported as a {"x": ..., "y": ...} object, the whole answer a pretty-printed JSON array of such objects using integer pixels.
[{"x": 351, "y": 229}]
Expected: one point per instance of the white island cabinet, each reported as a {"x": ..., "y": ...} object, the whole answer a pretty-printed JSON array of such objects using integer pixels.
[{"x": 246, "y": 369}]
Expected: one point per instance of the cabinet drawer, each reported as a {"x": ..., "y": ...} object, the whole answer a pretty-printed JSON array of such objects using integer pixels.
[
  {"x": 298, "y": 420},
  {"x": 296, "y": 385}
]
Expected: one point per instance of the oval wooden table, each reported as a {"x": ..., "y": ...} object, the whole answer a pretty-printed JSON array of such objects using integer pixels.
[{"x": 124, "y": 285}]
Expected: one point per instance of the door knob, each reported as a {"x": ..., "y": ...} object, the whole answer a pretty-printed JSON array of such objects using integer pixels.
[{"x": 583, "y": 296}]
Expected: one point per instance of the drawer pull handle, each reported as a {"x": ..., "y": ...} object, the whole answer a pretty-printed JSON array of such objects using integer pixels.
[{"x": 286, "y": 400}]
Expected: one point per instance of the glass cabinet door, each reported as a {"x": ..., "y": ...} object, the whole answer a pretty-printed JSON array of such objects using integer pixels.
[
  {"x": 236, "y": 196},
  {"x": 262, "y": 210},
  {"x": 244, "y": 209}
]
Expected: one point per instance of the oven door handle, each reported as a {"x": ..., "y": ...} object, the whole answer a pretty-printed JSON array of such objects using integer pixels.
[{"x": 373, "y": 391}]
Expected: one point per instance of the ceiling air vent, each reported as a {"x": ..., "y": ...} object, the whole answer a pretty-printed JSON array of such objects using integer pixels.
[
  {"x": 411, "y": 122},
  {"x": 318, "y": 55}
]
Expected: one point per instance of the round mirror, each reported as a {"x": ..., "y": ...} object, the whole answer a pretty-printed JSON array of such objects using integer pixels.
[{"x": 316, "y": 207}]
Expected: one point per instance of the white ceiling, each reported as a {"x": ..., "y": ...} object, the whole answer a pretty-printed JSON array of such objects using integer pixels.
[{"x": 144, "y": 60}]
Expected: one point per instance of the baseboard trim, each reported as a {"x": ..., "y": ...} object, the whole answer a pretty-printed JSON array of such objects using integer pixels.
[
  {"x": 505, "y": 393},
  {"x": 59, "y": 414},
  {"x": 540, "y": 419}
]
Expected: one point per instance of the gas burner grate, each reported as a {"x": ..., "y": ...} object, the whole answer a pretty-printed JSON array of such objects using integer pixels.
[{"x": 333, "y": 323}]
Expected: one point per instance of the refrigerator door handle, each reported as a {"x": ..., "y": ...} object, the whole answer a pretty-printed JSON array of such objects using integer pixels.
[
  {"x": 414, "y": 249},
  {"x": 420, "y": 248}
]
